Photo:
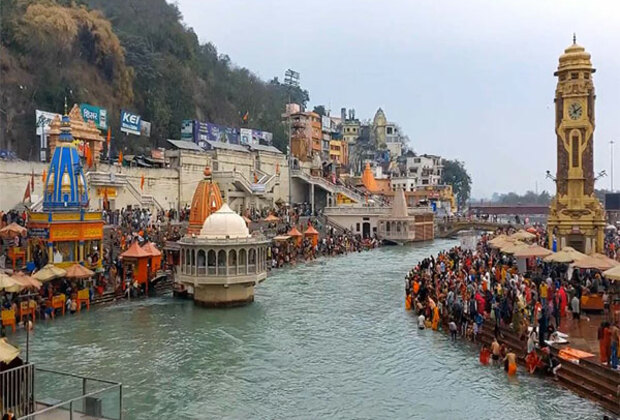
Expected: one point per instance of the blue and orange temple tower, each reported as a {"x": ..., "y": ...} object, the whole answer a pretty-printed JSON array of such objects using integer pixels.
[{"x": 66, "y": 228}]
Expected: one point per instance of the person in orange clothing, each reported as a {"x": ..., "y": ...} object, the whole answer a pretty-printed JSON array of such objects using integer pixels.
[{"x": 604, "y": 337}]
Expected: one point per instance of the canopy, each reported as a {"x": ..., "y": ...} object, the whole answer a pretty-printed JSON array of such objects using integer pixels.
[
  {"x": 135, "y": 251},
  {"x": 503, "y": 242},
  {"x": 566, "y": 255},
  {"x": 311, "y": 231},
  {"x": 612, "y": 273},
  {"x": 497, "y": 239},
  {"x": 523, "y": 235},
  {"x": 49, "y": 272},
  {"x": 12, "y": 230},
  {"x": 151, "y": 249},
  {"x": 271, "y": 218},
  {"x": 281, "y": 238},
  {"x": 8, "y": 353},
  {"x": 512, "y": 248},
  {"x": 78, "y": 271},
  {"x": 596, "y": 261},
  {"x": 294, "y": 232},
  {"x": 533, "y": 251},
  {"x": 26, "y": 280},
  {"x": 9, "y": 284}
]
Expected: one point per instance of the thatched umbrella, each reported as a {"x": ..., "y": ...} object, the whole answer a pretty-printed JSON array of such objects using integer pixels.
[
  {"x": 26, "y": 280},
  {"x": 596, "y": 261},
  {"x": 49, "y": 272},
  {"x": 78, "y": 271},
  {"x": 612, "y": 273},
  {"x": 9, "y": 284},
  {"x": 566, "y": 255},
  {"x": 512, "y": 248},
  {"x": 523, "y": 235}
]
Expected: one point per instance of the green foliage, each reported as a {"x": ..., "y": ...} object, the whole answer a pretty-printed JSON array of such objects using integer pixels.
[
  {"x": 530, "y": 197},
  {"x": 320, "y": 109},
  {"x": 131, "y": 54},
  {"x": 455, "y": 174}
]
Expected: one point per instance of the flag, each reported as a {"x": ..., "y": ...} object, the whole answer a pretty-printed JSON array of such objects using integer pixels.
[
  {"x": 32, "y": 181},
  {"x": 27, "y": 193},
  {"x": 142, "y": 182},
  {"x": 88, "y": 155},
  {"x": 120, "y": 158},
  {"x": 44, "y": 176},
  {"x": 245, "y": 116},
  {"x": 108, "y": 139}
]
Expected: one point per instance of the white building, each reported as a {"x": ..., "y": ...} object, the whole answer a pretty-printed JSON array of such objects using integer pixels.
[{"x": 424, "y": 169}]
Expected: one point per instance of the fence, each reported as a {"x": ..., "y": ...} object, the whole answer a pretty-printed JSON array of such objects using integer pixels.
[{"x": 17, "y": 390}]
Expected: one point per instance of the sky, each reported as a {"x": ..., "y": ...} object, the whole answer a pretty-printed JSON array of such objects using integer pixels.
[{"x": 469, "y": 80}]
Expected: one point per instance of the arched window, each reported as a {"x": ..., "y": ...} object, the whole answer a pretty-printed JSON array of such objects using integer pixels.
[
  {"x": 211, "y": 262},
  {"x": 202, "y": 261},
  {"x": 232, "y": 262},
  {"x": 243, "y": 261},
  {"x": 252, "y": 261},
  {"x": 398, "y": 227},
  {"x": 387, "y": 226},
  {"x": 187, "y": 262},
  {"x": 221, "y": 262},
  {"x": 182, "y": 261}
]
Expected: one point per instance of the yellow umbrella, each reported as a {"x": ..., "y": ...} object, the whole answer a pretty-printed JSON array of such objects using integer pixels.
[
  {"x": 49, "y": 272},
  {"x": 566, "y": 255}
]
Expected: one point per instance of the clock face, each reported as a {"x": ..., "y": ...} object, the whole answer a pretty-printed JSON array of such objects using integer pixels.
[{"x": 575, "y": 110}]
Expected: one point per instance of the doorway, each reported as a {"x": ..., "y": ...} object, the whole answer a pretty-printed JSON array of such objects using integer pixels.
[
  {"x": 366, "y": 230},
  {"x": 577, "y": 241}
]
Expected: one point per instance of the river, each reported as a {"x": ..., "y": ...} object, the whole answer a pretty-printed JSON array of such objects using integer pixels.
[{"x": 327, "y": 339}]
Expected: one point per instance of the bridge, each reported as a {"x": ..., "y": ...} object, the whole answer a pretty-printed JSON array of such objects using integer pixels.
[
  {"x": 450, "y": 227},
  {"x": 509, "y": 209}
]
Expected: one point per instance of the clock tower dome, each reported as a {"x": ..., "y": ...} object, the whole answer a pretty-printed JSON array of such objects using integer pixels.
[{"x": 576, "y": 217}]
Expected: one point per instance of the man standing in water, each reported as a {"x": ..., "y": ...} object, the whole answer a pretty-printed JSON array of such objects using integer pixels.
[{"x": 495, "y": 350}]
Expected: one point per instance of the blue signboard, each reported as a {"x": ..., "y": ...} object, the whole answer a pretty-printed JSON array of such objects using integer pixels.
[{"x": 130, "y": 123}]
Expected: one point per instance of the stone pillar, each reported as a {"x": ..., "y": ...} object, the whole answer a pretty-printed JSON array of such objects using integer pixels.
[{"x": 80, "y": 256}]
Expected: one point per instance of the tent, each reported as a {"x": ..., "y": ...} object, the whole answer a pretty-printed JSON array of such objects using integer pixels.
[
  {"x": 78, "y": 271},
  {"x": 49, "y": 272},
  {"x": 12, "y": 230},
  {"x": 312, "y": 234},
  {"x": 155, "y": 253},
  {"x": 138, "y": 258},
  {"x": 533, "y": 251},
  {"x": 566, "y": 255},
  {"x": 296, "y": 234}
]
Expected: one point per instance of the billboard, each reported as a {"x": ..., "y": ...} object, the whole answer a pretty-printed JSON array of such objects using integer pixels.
[
  {"x": 262, "y": 137},
  {"x": 245, "y": 135},
  {"x": 612, "y": 201},
  {"x": 214, "y": 132},
  {"x": 187, "y": 130},
  {"x": 43, "y": 120},
  {"x": 326, "y": 123},
  {"x": 145, "y": 128},
  {"x": 95, "y": 114},
  {"x": 130, "y": 123}
]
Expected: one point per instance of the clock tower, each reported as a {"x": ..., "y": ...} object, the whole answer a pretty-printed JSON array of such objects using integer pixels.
[{"x": 576, "y": 217}]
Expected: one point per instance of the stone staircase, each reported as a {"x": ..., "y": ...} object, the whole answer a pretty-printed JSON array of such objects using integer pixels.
[{"x": 328, "y": 186}]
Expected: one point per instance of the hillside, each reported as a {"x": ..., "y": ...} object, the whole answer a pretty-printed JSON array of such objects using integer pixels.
[{"x": 133, "y": 54}]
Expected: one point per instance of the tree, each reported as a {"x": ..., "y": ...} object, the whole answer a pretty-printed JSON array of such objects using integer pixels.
[
  {"x": 320, "y": 109},
  {"x": 455, "y": 174}
]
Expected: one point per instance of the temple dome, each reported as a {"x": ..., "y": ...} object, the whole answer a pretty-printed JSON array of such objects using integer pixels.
[
  {"x": 224, "y": 224},
  {"x": 65, "y": 185},
  {"x": 575, "y": 57},
  {"x": 207, "y": 200}
]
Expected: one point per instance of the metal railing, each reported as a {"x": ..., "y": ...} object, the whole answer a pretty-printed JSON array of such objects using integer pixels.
[{"x": 17, "y": 390}]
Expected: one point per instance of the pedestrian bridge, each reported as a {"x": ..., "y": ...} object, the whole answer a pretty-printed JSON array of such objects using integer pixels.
[{"x": 450, "y": 227}]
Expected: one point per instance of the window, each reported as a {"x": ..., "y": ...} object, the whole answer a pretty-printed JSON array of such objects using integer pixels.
[
  {"x": 389, "y": 130},
  {"x": 575, "y": 150},
  {"x": 357, "y": 227},
  {"x": 574, "y": 76}
]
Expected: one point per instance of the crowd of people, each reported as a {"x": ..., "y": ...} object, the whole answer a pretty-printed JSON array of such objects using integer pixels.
[{"x": 459, "y": 289}]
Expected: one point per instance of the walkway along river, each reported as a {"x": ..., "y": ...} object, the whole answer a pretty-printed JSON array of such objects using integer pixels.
[{"x": 327, "y": 339}]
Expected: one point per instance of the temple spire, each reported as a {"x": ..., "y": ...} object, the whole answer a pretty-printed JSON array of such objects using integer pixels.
[{"x": 574, "y": 38}]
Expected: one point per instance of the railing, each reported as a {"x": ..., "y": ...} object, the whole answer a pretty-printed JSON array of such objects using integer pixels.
[
  {"x": 329, "y": 186},
  {"x": 17, "y": 390}
]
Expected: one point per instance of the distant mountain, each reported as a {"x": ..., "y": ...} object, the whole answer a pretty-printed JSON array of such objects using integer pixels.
[{"x": 131, "y": 54}]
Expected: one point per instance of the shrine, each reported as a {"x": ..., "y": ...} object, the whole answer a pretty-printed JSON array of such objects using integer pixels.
[
  {"x": 66, "y": 231},
  {"x": 85, "y": 135}
]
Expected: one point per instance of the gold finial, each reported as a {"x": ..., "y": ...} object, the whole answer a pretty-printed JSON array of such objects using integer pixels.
[{"x": 574, "y": 38}]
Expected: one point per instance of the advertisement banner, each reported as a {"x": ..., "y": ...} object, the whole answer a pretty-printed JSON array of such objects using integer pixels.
[
  {"x": 43, "y": 120},
  {"x": 214, "y": 132},
  {"x": 245, "y": 135},
  {"x": 145, "y": 128},
  {"x": 262, "y": 137},
  {"x": 95, "y": 114},
  {"x": 326, "y": 123},
  {"x": 187, "y": 130},
  {"x": 130, "y": 123}
]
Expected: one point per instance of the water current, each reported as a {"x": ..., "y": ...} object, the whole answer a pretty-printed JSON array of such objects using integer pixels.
[{"x": 327, "y": 339}]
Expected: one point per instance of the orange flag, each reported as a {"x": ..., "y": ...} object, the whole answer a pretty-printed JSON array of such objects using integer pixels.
[
  {"x": 44, "y": 176},
  {"x": 142, "y": 182},
  {"x": 108, "y": 139},
  {"x": 120, "y": 158},
  {"x": 27, "y": 193},
  {"x": 32, "y": 181}
]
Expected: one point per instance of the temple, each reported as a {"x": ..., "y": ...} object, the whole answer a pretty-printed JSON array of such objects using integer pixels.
[
  {"x": 207, "y": 199},
  {"x": 84, "y": 133},
  {"x": 66, "y": 232},
  {"x": 399, "y": 227}
]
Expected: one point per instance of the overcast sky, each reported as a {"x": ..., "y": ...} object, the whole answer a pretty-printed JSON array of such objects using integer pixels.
[{"x": 471, "y": 80}]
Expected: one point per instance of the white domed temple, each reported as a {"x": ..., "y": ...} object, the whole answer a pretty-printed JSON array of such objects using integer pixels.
[{"x": 222, "y": 263}]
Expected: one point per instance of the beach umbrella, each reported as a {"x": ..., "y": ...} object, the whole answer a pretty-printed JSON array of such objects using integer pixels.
[
  {"x": 533, "y": 251},
  {"x": 49, "y": 272},
  {"x": 523, "y": 235},
  {"x": 26, "y": 280},
  {"x": 12, "y": 230},
  {"x": 612, "y": 273},
  {"x": 498, "y": 239},
  {"x": 8, "y": 353},
  {"x": 9, "y": 284},
  {"x": 78, "y": 271},
  {"x": 566, "y": 255},
  {"x": 512, "y": 248},
  {"x": 596, "y": 261},
  {"x": 271, "y": 218}
]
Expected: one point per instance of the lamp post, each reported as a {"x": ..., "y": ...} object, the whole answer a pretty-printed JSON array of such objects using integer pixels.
[
  {"x": 611, "y": 145},
  {"x": 291, "y": 80}
]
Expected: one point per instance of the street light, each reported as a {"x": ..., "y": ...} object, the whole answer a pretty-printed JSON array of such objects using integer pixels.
[
  {"x": 611, "y": 145},
  {"x": 291, "y": 80}
]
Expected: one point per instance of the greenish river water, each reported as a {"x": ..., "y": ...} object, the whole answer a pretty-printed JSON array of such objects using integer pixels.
[{"x": 328, "y": 339}]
